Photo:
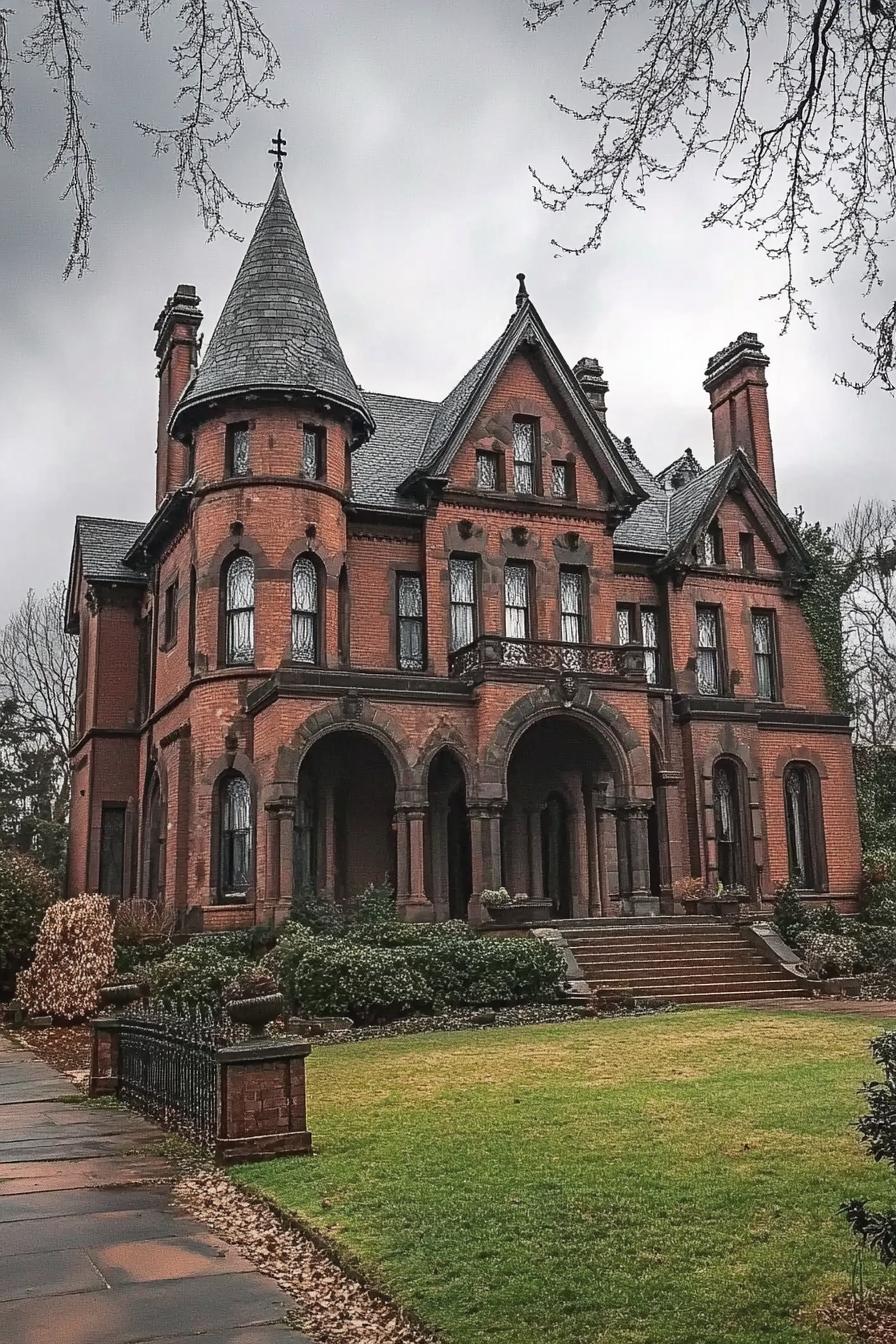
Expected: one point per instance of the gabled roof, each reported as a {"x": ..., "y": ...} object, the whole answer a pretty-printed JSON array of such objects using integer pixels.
[
  {"x": 456, "y": 414},
  {"x": 99, "y": 547},
  {"x": 275, "y": 333},
  {"x": 393, "y": 451},
  {"x": 685, "y": 468}
]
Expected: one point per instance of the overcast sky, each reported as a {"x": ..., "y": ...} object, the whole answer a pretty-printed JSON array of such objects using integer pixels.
[{"x": 411, "y": 127}]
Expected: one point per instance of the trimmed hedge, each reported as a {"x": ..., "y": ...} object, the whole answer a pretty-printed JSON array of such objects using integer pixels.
[{"x": 195, "y": 974}]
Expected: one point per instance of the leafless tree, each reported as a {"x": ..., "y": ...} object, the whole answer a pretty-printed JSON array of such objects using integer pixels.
[
  {"x": 224, "y": 63},
  {"x": 793, "y": 103},
  {"x": 38, "y": 671},
  {"x": 866, "y": 543}
]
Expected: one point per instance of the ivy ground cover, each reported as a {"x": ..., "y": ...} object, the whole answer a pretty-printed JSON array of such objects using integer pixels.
[{"x": 664, "y": 1180}]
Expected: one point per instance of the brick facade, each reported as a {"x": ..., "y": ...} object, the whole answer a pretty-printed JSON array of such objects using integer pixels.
[{"x": 550, "y": 767}]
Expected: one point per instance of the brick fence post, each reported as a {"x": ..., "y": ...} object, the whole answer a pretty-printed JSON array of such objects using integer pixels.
[
  {"x": 104, "y": 1053},
  {"x": 261, "y": 1100}
]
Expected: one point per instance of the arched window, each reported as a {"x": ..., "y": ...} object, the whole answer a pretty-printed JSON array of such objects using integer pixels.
[
  {"x": 239, "y": 610},
  {"x": 729, "y": 836},
  {"x": 305, "y": 610},
  {"x": 344, "y": 618},
  {"x": 154, "y": 843},
  {"x": 235, "y": 829},
  {"x": 805, "y": 833}
]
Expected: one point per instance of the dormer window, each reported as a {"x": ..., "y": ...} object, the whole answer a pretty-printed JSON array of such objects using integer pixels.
[
  {"x": 237, "y": 455},
  {"x": 524, "y": 439},
  {"x": 711, "y": 551},
  {"x": 313, "y": 440},
  {"x": 486, "y": 471}
]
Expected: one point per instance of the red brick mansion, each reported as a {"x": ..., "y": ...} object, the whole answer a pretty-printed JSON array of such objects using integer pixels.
[{"x": 457, "y": 643}]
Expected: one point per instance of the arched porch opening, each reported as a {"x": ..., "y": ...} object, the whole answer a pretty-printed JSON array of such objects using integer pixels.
[
  {"x": 344, "y": 817},
  {"x": 449, "y": 867},
  {"x": 568, "y": 832}
]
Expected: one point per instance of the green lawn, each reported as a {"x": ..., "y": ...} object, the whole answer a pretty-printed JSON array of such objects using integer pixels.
[{"x": 662, "y": 1180}]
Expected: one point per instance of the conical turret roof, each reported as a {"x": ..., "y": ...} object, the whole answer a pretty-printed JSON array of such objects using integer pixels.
[{"x": 274, "y": 333}]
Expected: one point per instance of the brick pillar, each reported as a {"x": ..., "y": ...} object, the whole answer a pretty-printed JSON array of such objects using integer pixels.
[
  {"x": 266, "y": 906},
  {"x": 402, "y": 859},
  {"x": 104, "y": 1054},
  {"x": 261, "y": 1100},
  {"x": 642, "y": 900},
  {"x": 287, "y": 859},
  {"x": 418, "y": 907}
]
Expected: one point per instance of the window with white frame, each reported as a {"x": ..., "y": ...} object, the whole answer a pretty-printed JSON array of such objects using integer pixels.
[
  {"x": 462, "y": 590},
  {"x": 410, "y": 622},
  {"x": 305, "y": 610},
  {"x": 516, "y": 600}
]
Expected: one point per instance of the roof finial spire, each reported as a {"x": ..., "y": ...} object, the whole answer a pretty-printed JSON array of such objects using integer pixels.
[
  {"x": 279, "y": 150},
  {"x": 522, "y": 293}
]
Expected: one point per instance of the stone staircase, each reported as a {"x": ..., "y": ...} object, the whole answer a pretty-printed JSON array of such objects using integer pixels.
[{"x": 679, "y": 959}]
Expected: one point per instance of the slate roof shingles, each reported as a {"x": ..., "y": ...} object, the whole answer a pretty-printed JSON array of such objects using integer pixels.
[{"x": 104, "y": 542}]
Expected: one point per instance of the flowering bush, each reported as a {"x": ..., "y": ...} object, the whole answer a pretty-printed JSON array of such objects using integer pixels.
[
  {"x": 501, "y": 898},
  {"x": 26, "y": 890},
  {"x": 194, "y": 974},
  {"x": 827, "y": 954},
  {"x": 340, "y": 976},
  {"x": 75, "y": 954},
  {"x": 877, "y": 945}
]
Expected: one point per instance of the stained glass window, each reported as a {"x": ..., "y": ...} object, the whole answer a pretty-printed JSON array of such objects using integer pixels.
[
  {"x": 236, "y": 835},
  {"x": 764, "y": 650},
  {"x": 305, "y": 603},
  {"x": 487, "y": 471},
  {"x": 559, "y": 480},
  {"x": 708, "y": 668},
  {"x": 410, "y": 621},
  {"x": 799, "y": 804},
  {"x": 239, "y": 450},
  {"x": 462, "y": 584},
  {"x": 524, "y": 456},
  {"x": 572, "y": 606},
  {"x": 726, "y": 807},
  {"x": 650, "y": 640},
  {"x": 312, "y": 454},
  {"x": 240, "y": 610},
  {"x": 625, "y": 625},
  {"x": 516, "y": 601}
]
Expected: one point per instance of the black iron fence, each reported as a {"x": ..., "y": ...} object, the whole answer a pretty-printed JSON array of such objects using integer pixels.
[{"x": 168, "y": 1068}]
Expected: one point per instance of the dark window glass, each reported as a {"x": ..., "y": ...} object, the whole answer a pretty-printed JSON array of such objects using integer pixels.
[
  {"x": 711, "y": 551},
  {"x": 560, "y": 480},
  {"x": 236, "y": 835},
  {"x": 486, "y": 471},
  {"x": 747, "y": 550},
  {"x": 238, "y": 450},
  {"x": 626, "y": 632},
  {"x": 524, "y": 456},
  {"x": 726, "y": 804},
  {"x": 239, "y": 607},
  {"x": 171, "y": 593},
  {"x": 572, "y": 606},
  {"x": 305, "y": 606},
  {"x": 190, "y": 464},
  {"x": 410, "y": 622},
  {"x": 112, "y": 849},
  {"x": 191, "y": 621},
  {"x": 650, "y": 638},
  {"x": 344, "y": 617},
  {"x": 709, "y": 667},
  {"x": 462, "y": 585},
  {"x": 800, "y": 794},
  {"x": 305, "y": 875},
  {"x": 765, "y": 655},
  {"x": 312, "y": 452},
  {"x": 516, "y": 600}
]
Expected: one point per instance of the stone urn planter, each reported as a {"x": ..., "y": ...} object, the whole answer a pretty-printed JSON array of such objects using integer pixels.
[
  {"x": 119, "y": 996},
  {"x": 255, "y": 1013},
  {"x": 522, "y": 914}
]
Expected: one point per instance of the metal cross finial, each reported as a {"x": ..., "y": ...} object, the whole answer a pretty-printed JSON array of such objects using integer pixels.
[{"x": 279, "y": 149}]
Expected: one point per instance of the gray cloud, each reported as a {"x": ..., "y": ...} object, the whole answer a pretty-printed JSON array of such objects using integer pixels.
[{"x": 410, "y": 129}]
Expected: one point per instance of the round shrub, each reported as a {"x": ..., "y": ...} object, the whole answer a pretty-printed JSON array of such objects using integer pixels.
[
  {"x": 26, "y": 892},
  {"x": 399, "y": 933},
  {"x": 828, "y": 954},
  {"x": 75, "y": 954},
  {"x": 879, "y": 867},
  {"x": 195, "y": 974},
  {"x": 339, "y": 976},
  {"x": 877, "y": 945}
]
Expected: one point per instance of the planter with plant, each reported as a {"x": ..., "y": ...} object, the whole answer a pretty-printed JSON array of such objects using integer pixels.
[
  {"x": 515, "y": 910},
  {"x": 120, "y": 990},
  {"x": 253, "y": 1000},
  {"x": 688, "y": 893}
]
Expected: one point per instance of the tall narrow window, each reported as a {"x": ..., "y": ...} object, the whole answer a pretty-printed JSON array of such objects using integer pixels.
[
  {"x": 747, "y": 551},
  {"x": 516, "y": 600},
  {"x": 462, "y": 584},
  {"x": 625, "y": 624},
  {"x": 709, "y": 666},
  {"x": 572, "y": 606},
  {"x": 560, "y": 480},
  {"x": 112, "y": 849},
  {"x": 237, "y": 452},
  {"x": 524, "y": 438},
  {"x": 486, "y": 470},
  {"x": 305, "y": 608},
  {"x": 239, "y": 610},
  {"x": 711, "y": 548},
  {"x": 191, "y": 620},
  {"x": 410, "y": 622},
  {"x": 802, "y": 809},
  {"x": 650, "y": 638},
  {"x": 344, "y": 618},
  {"x": 236, "y": 836},
  {"x": 170, "y": 622},
  {"x": 764, "y": 652},
  {"x": 313, "y": 452},
  {"x": 726, "y": 805}
]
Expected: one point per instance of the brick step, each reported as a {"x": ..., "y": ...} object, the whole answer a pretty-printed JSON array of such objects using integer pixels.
[
  {"x": 686, "y": 981},
  {"x": 611, "y": 925},
  {"x": 665, "y": 945},
  {"x": 722, "y": 996},
  {"x": 631, "y": 959}
]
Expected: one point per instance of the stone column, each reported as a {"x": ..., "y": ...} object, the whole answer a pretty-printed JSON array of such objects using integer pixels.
[
  {"x": 623, "y": 866},
  {"x": 581, "y": 868},
  {"x": 328, "y": 831},
  {"x": 643, "y": 901},
  {"x": 605, "y": 836},
  {"x": 418, "y": 908},
  {"x": 261, "y": 1100},
  {"x": 402, "y": 866},
  {"x": 494, "y": 847},
  {"x": 536, "y": 881},
  {"x": 287, "y": 816},
  {"x": 271, "y": 900}
]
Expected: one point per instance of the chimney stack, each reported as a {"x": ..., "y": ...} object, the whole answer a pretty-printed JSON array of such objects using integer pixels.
[
  {"x": 738, "y": 401},
  {"x": 177, "y": 349},
  {"x": 591, "y": 380}
]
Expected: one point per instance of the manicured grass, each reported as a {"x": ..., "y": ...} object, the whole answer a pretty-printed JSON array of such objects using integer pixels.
[{"x": 662, "y": 1180}]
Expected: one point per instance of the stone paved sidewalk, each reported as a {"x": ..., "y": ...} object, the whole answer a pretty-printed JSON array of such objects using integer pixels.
[{"x": 92, "y": 1248}]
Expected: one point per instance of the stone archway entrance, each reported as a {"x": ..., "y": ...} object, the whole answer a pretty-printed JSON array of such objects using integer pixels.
[
  {"x": 449, "y": 879},
  {"x": 344, "y": 817}
]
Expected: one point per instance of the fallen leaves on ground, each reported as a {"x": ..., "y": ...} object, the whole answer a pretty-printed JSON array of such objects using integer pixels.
[
  {"x": 65, "y": 1048},
  {"x": 870, "y": 1322}
]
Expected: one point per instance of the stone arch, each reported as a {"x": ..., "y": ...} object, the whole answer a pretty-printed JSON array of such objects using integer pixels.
[
  {"x": 444, "y": 736},
  {"x": 630, "y": 762},
  {"x": 353, "y": 714},
  {"x": 799, "y": 755}
]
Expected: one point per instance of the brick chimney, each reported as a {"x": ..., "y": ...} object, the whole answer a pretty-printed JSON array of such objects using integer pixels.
[
  {"x": 591, "y": 380},
  {"x": 177, "y": 348},
  {"x": 738, "y": 401}
]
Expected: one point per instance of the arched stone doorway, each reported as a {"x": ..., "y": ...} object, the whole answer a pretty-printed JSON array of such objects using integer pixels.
[
  {"x": 449, "y": 880},
  {"x": 569, "y": 832},
  {"x": 344, "y": 817}
]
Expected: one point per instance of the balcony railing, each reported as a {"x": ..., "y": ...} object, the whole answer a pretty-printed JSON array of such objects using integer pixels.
[{"x": 494, "y": 653}]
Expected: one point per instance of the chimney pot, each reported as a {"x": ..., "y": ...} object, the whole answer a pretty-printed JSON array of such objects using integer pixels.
[
  {"x": 738, "y": 402},
  {"x": 590, "y": 376}
]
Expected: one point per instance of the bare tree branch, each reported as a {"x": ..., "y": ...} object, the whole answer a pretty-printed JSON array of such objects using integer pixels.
[
  {"x": 795, "y": 103},
  {"x": 6, "y": 89},
  {"x": 38, "y": 670}
]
